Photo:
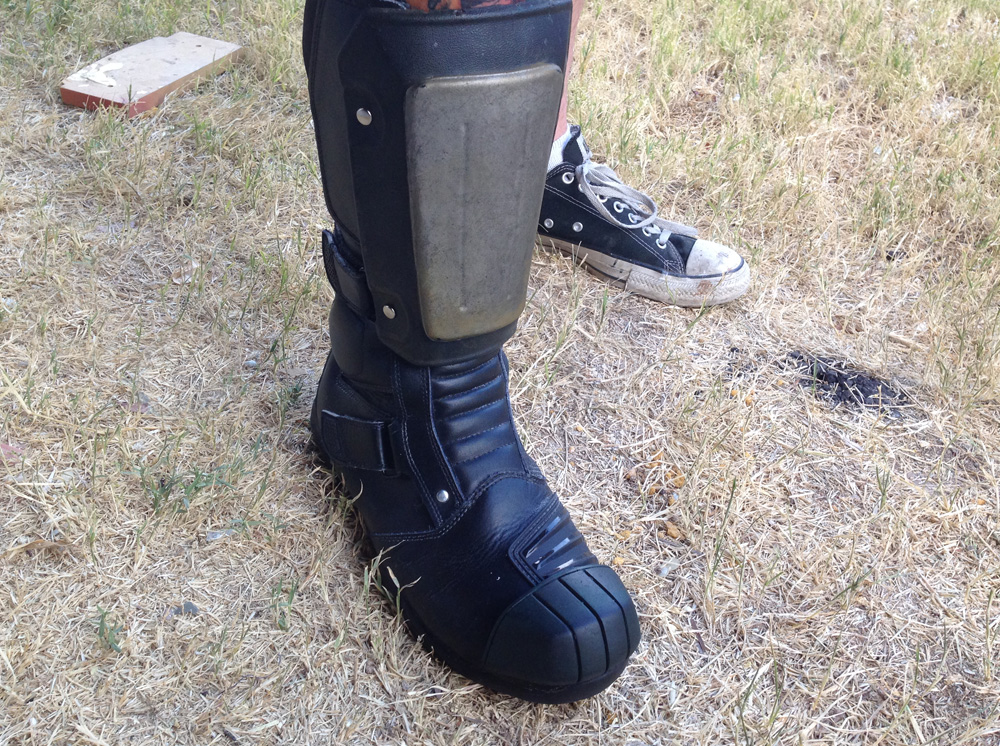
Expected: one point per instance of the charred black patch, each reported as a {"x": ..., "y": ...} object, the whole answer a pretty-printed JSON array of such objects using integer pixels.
[{"x": 839, "y": 383}]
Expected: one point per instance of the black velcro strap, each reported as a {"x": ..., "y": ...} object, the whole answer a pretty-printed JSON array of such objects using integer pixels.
[
  {"x": 359, "y": 444},
  {"x": 346, "y": 279},
  {"x": 329, "y": 262}
]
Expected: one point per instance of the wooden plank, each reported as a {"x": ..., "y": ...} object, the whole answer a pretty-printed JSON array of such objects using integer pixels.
[{"x": 141, "y": 76}]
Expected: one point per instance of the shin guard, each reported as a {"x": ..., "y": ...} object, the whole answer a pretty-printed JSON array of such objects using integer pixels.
[{"x": 434, "y": 132}]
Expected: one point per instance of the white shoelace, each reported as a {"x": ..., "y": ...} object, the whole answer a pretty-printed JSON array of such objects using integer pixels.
[{"x": 601, "y": 184}]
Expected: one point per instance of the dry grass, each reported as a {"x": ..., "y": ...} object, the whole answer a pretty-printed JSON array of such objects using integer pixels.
[{"x": 804, "y": 574}]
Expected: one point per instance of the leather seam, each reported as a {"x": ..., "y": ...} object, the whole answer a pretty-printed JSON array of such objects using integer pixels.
[
  {"x": 450, "y": 417},
  {"x": 476, "y": 435},
  {"x": 452, "y": 376},
  {"x": 445, "y": 397},
  {"x": 455, "y": 517},
  {"x": 405, "y": 434},
  {"x": 484, "y": 455},
  {"x": 521, "y": 453},
  {"x": 436, "y": 445}
]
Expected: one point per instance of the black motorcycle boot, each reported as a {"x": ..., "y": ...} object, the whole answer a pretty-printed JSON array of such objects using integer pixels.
[
  {"x": 492, "y": 573},
  {"x": 412, "y": 408}
]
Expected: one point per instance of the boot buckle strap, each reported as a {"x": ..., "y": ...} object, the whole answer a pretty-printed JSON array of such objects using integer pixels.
[
  {"x": 357, "y": 443},
  {"x": 346, "y": 280}
]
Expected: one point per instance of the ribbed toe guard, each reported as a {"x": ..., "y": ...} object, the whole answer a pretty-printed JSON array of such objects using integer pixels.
[{"x": 567, "y": 639}]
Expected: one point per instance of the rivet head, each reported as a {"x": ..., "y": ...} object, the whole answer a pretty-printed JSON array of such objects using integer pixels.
[
  {"x": 442, "y": 496},
  {"x": 548, "y": 223},
  {"x": 577, "y": 227},
  {"x": 389, "y": 311},
  {"x": 364, "y": 116}
]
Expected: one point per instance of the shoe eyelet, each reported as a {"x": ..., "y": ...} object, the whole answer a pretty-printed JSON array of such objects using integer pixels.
[
  {"x": 661, "y": 244},
  {"x": 602, "y": 198},
  {"x": 548, "y": 222},
  {"x": 568, "y": 177},
  {"x": 633, "y": 217},
  {"x": 442, "y": 496},
  {"x": 646, "y": 231},
  {"x": 577, "y": 227},
  {"x": 619, "y": 207}
]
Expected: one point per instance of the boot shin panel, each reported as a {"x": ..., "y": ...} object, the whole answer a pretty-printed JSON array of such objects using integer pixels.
[{"x": 438, "y": 140}]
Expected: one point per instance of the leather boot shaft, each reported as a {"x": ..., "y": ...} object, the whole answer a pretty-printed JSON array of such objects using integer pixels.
[{"x": 433, "y": 132}]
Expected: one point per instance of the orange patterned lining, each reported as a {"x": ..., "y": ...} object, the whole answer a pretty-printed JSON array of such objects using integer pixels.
[{"x": 429, "y": 5}]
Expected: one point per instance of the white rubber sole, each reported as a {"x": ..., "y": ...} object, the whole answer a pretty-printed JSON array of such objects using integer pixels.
[{"x": 674, "y": 290}]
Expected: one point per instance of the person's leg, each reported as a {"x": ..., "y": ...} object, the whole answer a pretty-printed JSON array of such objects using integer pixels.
[
  {"x": 430, "y": 258},
  {"x": 562, "y": 121},
  {"x": 617, "y": 231}
]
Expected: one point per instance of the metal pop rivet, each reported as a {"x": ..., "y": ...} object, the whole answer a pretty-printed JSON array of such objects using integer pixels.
[
  {"x": 364, "y": 116},
  {"x": 578, "y": 227},
  {"x": 389, "y": 311},
  {"x": 442, "y": 496},
  {"x": 548, "y": 223}
]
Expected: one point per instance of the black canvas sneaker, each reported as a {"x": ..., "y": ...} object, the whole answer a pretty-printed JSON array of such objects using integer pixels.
[{"x": 617, "y": 233}]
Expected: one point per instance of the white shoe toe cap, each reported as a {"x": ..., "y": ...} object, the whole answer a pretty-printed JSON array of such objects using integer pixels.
[{"x": 711, "y": 258}]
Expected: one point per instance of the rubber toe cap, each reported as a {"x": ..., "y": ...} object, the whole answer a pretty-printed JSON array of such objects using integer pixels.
[
  {"x": 574, "y": 629},
  {"x": 711, "y": 258}
]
